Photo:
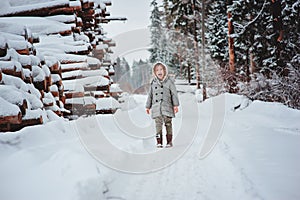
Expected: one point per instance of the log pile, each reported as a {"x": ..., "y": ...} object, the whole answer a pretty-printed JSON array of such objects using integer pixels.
[{"x": 65, "y": 70}]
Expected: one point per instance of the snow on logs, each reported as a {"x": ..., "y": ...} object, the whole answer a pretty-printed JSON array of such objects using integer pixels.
[
  {"x": 44, "y": 62},
  {"x": 20, "y": 104},
  {"x": 40, "y": 8}
]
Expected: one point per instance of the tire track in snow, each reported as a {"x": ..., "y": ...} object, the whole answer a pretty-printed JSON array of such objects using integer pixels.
[{"x": 248, "y": 184}]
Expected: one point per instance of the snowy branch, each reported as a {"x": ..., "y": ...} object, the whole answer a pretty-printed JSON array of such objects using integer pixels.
[{"x": 249, "y": 23}]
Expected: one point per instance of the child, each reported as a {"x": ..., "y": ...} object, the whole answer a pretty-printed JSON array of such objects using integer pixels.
[{"x": 163, "y": 102}]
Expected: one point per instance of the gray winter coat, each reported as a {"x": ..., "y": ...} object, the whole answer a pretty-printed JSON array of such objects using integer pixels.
[{"x": 162, "y": 98}]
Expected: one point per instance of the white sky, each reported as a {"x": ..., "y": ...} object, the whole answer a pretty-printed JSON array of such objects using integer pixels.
[
  {"x": 136, "y": 11},
  {"x": 132, "y": 37}
]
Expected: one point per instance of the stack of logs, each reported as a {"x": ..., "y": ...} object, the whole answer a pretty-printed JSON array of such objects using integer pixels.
[{"x": 23, "y": 68}]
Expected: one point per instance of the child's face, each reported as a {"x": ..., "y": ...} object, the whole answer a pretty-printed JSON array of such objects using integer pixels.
[{"x": 159, "y": 72}]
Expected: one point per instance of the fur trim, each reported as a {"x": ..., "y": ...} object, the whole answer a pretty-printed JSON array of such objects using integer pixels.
[{"x": 165, "y": 69}]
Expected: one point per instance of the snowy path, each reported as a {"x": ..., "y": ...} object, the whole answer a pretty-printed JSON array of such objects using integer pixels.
[
  {"x": 186, "y": 175},
  {"x": 256, "y": 157}
]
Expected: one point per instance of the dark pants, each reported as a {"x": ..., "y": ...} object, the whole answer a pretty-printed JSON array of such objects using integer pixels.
[{"x": 159, "y": 121}]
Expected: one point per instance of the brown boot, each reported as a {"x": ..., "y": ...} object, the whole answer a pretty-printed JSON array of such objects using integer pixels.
[
  {"x": 159, "y": 140},
  {"x": 169, "y": 141}
]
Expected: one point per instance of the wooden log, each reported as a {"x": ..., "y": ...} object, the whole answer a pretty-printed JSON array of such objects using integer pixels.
[
  {"x": 23, "y": 107},
  {"x": 41, "y": 11},
  {"x": 111, "y": 73},
  {"x": 36, "y": 39},
  {"x": 116, "y": 94},
  {"x": 98, "y": 94},
  {"x": 23, "y": 51},
  {"x": 112, "y": 44},
  {"x": 3, "y": 51},
  {"x": 27, "y": 79},
  {"x": 69, "y": 95},
  {"x": 25, "y": 123},
  {"x": 63, "y": 99},
  {"x": 76, "y": 30},
  {"x": 78, "y": 76},
  {"x": 107, "y": 2},
  {"x": 76, "y": 109},
  {"x": 109, "y": 111},
  {"x": 9, "y": 71},
  {"x": 57, "y": 112},
  {"x": 48, "y": 81},
  {"x": 40, "y": 85},
  {"x": 31, "y": 122},
  {"x": 27, "y": 67},
  {"x": 65, "y": 33},
  {"x": 98, "y": 88},
  {"x": 13, "y": 72},
  {"x": 89, "y": 109},
  {"x": 48, "y": 104},
  {"x": 55, "y": 93},
  {"x": 54, "y": 69},
  {"x": 14, "y": 119},
  {"x": 79, "y": 24},
  {"x": 87, "y": 5}
]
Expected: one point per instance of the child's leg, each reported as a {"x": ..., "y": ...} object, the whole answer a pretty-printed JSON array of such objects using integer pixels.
[
  {"x": 168, "y": 124},
  {"x": 158, "y": 125}
]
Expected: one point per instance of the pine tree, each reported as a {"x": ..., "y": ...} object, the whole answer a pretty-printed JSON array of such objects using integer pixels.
[
  {"x": 185, "y": 23},
  {"x": 216, "y": 32},
  {"x": 122, "y": 69},
  {"x": 156, "y": 33},
  {"x": 291, "y": 34},
  {"x": 140, "y": 75}
]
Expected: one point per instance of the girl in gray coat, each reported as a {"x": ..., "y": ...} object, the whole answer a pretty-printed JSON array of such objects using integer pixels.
[{"x": 163, "y": 102}]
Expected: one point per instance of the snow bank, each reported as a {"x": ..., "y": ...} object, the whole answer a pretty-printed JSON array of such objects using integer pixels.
[{"x": 53, "y": 159}]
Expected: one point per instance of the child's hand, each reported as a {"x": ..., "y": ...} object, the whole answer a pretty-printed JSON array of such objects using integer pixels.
[
  {"x": 148, "y": 111},
  {"x": 175, "y": 109}
]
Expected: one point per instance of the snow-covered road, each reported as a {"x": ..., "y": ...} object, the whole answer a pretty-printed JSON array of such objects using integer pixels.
[
  {"x": 114, "y": 156},
  {"x": 187, "y": 176}
]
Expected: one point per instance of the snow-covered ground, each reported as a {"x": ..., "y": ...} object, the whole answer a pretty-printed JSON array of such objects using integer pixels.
[{"x": 114, "y": 156}]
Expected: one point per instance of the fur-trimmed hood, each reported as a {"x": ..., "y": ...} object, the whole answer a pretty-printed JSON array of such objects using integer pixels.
[{"x": 165, "y": 70}]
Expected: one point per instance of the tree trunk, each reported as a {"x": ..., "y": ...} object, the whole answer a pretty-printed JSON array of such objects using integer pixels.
[
  {"x": 252, "y": 63},
  {"x": 189, "y": 74},
  {"x": 230, "y": 43},
  {"x": 251, "y": 54},
  {"x": 232, "y": 78},
  {"x": 196, "y": 46},
  {"x": 203, "y": 51},
  {"x": 277, "y": 21},
  {"x": 278, "y": 28}
]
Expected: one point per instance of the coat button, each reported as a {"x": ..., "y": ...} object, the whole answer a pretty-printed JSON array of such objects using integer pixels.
[
  {"x": 161, "y": 92},
  {"x": 161, "y": 86},
  {"x": 156, "y": 100},
  {"x": 155, "y": 87}
]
